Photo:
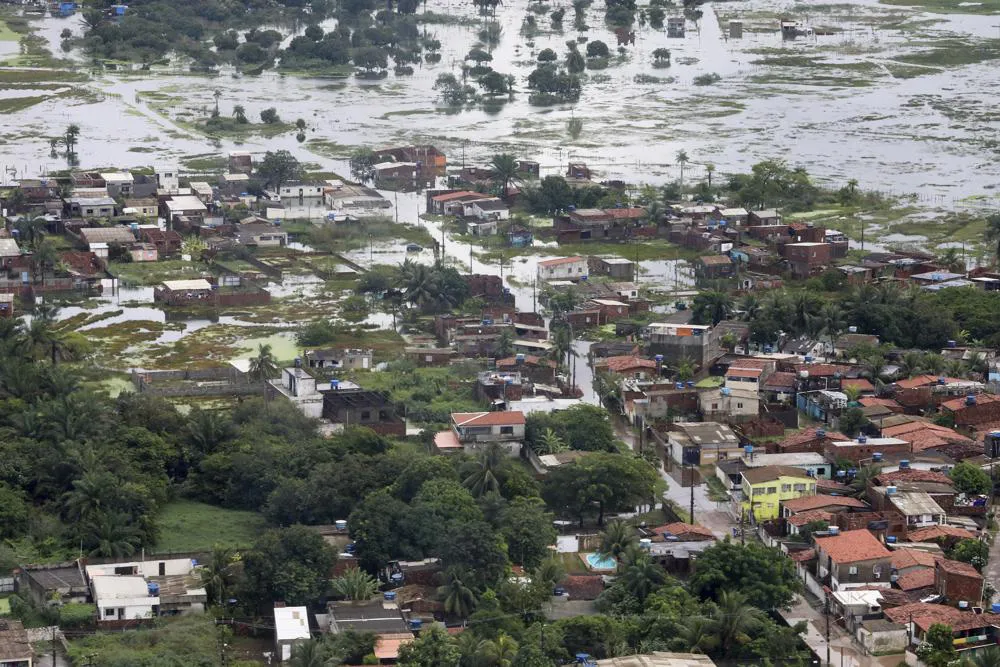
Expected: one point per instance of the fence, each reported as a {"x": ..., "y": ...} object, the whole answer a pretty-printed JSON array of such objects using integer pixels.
[
  {"x": 219, "y": 381},
  {"x": 6, "y": 584}
]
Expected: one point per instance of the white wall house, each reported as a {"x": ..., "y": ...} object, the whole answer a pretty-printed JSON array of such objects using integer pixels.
[
  {"x": 291, "y": 628},
  {"x": 147, "y": 589},
  {"x": 563, "y": 268},
  {"x": 167, "y": 180}
]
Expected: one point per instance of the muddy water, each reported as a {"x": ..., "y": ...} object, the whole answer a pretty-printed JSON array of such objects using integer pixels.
[{"x": 883, "y": 135}]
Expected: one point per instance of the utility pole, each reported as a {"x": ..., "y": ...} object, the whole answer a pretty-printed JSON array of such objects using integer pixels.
[
  {"x": 54, "y": 628},
  {"x": 534, "y": 295},
  {"x": 692, "y": 492},
  {"x": 827, "y": 610},
  {"x": 470, "y": 259}
]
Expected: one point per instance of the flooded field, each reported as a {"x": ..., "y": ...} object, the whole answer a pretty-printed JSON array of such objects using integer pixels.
[{"x": 892, "y": 96}]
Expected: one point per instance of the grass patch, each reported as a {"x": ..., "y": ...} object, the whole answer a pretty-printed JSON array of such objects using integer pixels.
[
  {"x": 572, "y": 563},
  {"x": 20, "y": 76},
  {"x": 186, "y": 525},
  {"x": 153, "y": 273},
  {"x": 949, "y": 6},
  {"x": 954, "y": 53},
  {"x": 652, "y": 249},
  {"x": 15, "y": 104}
]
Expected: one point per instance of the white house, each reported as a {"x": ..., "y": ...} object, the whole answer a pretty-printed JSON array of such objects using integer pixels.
[
  {"x": 299, "y": 190},
  {"x": 476, "y": 430},
  {"x": 167, "y": 180},
  {"x": 563, "y": 268},
  {"x": 291, "y": 628},
  {"x": 143, "y": 590},
  {"x": 486, "y": 209},
  {"x": 118, "y": 180},
  {"x": 483, "y": 228}
]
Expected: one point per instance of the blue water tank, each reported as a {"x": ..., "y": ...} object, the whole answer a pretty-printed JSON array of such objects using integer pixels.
[
  {"x": 876, "y": 456},
  {"x": 389, "y": 595},
  {"x": 658, "y": 358},
  {"x": 153, "y": 588},
  {"x": 690, "y": 384},
  {"x": 890, "y": 539},
  {"x": 416, "y": 624},
  {"x": 334, "y": 384},
  {"x": 995, "y": 607},
  {"x": 679, "y": 385},
  {"x": 904, "y": 464}
]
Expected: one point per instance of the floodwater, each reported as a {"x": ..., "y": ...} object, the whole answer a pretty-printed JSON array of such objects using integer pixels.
[{"x": 928, "y": 134}]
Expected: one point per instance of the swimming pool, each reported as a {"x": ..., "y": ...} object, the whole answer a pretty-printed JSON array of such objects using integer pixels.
[{"x": 598, "y": 562}]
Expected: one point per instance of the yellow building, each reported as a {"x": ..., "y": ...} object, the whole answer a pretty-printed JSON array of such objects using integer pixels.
[{"x": 765, "y": 488}]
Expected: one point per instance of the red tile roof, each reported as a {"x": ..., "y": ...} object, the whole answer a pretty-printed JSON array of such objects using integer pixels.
[
  {"x": 779, "y": 381},
  {"x": 852, "y": 546},
  {"x": 512, "y": 418},
  {"x": 626, "y": 363},
  {"x": 802, "y": 555},
  {"x": 807, "y": 503},
  {"x": 923, "y": 381},
  {"x": 922, "y": 578},
  {"x": 561, "y": 260},
  {"x": 924, "y": 435},
  {"x": 625, "y": 213},
  {"x": 802, "y": 518},
  {"x": 810, "y": 435},
  {"x": 446, "y": 440},
  {"x": 925, "y": 615},
  {"x": 958, "y": 567},
  {"x": 939, "y": 532},
  {"x": 715, "y": 260},
  {"x": 820, "y": 370},
  {"x": 743, "y": 372},
  {"x": 912, "y": 475},
  {"x": 831, "y": 486},
  {"x": 583, "y": 586},
  {"x": 679, "y": 529},
  {"x": 860, "y": 383},
  {"x": 457, "y": 195},
  {"x": 903, "y": 559},
  {"x": 869, "y": 401},
  {"x": 959, "y": 403}
]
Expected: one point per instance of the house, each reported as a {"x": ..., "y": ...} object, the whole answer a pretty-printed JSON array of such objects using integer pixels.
[
  {"x": 126, "y": 592},
  {"x": 44, "y": 584},
  {"x": 428, "y": 156},
  {"x": 182, "y": 206},
  {"x": 629, "y": 366},
  {"x": 618, "y": 268},
  {"x": 725, "y": 404},
  {"x": 807, "y": 258},
  {"x": 476, "y": 430},
  {"x": 379, "y": 616},
  {"x": 972, "y": 410},
  {"x": 536, "y": 369},
  {"x": 683, "y": 532},
  {"x": 765, "y": 488},
  {"x": 202, "y": 191},
  {"x": 240, "y": 162},
  {"x": 91, "y": 207},
  {"x": 917, "y": 507},
  {"x": 10, "y": 252},
  {"x": 701, "y": 443},
  {"x": 956, "y": 581},
  {"x": 657, "y": 658},
  {"x": 291, "y": 629},
  {"x": 971, "y": 631},
  {"x": 563, "y": 268},
  {"x": 429, "y": 356},
  {"x": 851, "y": 559},
  {"x": 167, "y": 180},
  {"x": 827, "y": 503},
  {"x": 677, "y": 342},
  {"x": 117, "y": 234},
  {"x": 714, "y": 267},
  {"x": 15, "y": 649},
  {"x": 301, "y": 190},
  {"x": 396, "y": 174},
  {"x": 452, "y": 202},
  {"x": 300, "y": 388},
  {"x": 167, "y": 242},
  {"x": 482, "y": 227},
  {"x": 184, "y": 292},
  {"x": 262, "y": 235},
  {"x": 765, "y": 217},
  {"x": 778, "y": 388},
  {"x": 812, "y": 463},
  {"x": 486, "y": 210},
  {"x": 497, "y": 388},
  {"x": 143, "y": 252},
  {"x": 118, "y": 183},
  {"x": 864, "y": 448},
  {"x": 371, "y": 409},
  {"x": 340, "y": 359}
]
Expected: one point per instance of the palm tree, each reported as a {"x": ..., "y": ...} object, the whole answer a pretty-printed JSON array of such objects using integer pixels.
[
  {"x": 550, "y": 570},
  {"x": 682, "y": 159},
  {"x": 92, "y": 494},
  {"x": 988, "y": 657},
  {"x": 951, "y": 259},
  {"x": 207, "y": 429},
  {"x": 711, "y": 307},
  {"x": 217, "y": 94},
  {"x": 264, "y": 366},
  {"x": 832, "y": 319},
  {"x": 111, "y": 535},
  {"x": 240, "y": 113},
  {"x": 499, "y": 652},
  {"x": 29, "y": 231},
  {"x": 699, "y": 635},
  {"x": 615, "y": 539},
  {"x": 312, "y": 653},
  {"x": 654, "y": 212},
  {"x": 859, "y": 485},
  {"x": 750, "y": 307},
  {"x": 484, "y": 479},
  {"x": 735, "y": 619},
  {"x": 562, "y": 346},
  {"x": 355, "y": 584},
  {"x": 709, "y": 170},
  {"x": 220, "y": 573},
  {"x": 549, "y": 443},
  {"x": 685, "y": 370},
  {"x": 505, "y": 343},
  {"x": 642, "y": 576},
  {"x": 911, "y": 364},
  {"x": 505, "y": 171},
  {"x": 70, "y": 137},
  {"x": 421, "y": 288},
  {"x": 459, "y": 600},
  {"x": 852, "y": 392}
]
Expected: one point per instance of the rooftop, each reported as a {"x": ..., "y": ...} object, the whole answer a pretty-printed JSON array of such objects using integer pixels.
[
  {"x": 462, "y": 419},
  {"x": 14, "y": 645},
  {"x": 9, "y": 248},
  {"x": 561, "y": 260},
  {"x": 903, "y": 558},
  {"x": 939, "y": 532},
  {"x": 922, "y": 578},
  {"x": 715, "y": 260},
  {"x": 807, "y": 503},
  {"x": 658, "y": 659},
  {"x": 197, "y": 284},
  {"x": 804, "y": 518},
  {"x": 704, "y": 433},
  {"x": 376, "y": 615},
  {"x": 107, "y": 234},
  {"x": 958, "y": 567},
  {"x": 771, "y": 473},
  {"x": 291, "y": 623},
  {"x": 679, "y": 528},
  {"x": 852, "y": 546},
  {"x": 790, "y": 459},
  {"x": 960, "y": 403},
  {"x": 624, "y": 363},
  {"x": 912, "y": 503}
]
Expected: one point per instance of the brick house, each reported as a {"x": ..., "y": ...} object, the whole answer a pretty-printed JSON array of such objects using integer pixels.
[
  {"x": 807, "y": 258},
  {"x": 956, "y": 581},
  {"x": 537, "y": 369},
  {"x": 371, "y": 409},
  {"x": 972, "y": 410},
  {"x": 852, "y": 559}
]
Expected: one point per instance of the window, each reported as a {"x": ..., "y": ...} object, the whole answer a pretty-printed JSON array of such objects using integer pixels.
[
  {"x": 366, "y": 415},
  {"x": 739, "y": 405},
  {"x": 506, "y": 430},
  {"x": 799, "y": 487},
  {"x": 772, "y": 489},
  {"x": 820, "y": 471},
  {"x": 785, "y": 488},
  {"x": 715, "y": 406},
  {"x": 109, "y": 613},
  {"x": 852, "y": 569}
]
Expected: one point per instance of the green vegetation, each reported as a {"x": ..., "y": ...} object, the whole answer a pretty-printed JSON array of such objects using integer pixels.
[
  {"x": 188, "y": 640},
  {"x": 187, "y": 525},
  {"x": 154, "y": 273},
  {"x": 948, "y": 7}
]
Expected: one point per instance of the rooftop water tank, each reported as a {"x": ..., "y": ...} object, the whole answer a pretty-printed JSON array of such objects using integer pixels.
[
  {"x": 995, "y": 607},
  {"x": 834, "y": 530},
  {"x": 298, "y": 362},
  {"x": 678, "y": 385},
  {"x": 877, "y": 456},
  {"x": 862, "y": 439},
  {"x": 658, "y": 358},
  {"x": 904, "y": 464},
  {"x": 808, "y": 359},
  {"x": 334, "y": 384},
  {"x": 341, "y": 524},
  {"x": 970, "y": 399},
  {"x": 646, "y": 543},
  {"x": 153, "y": 588},
  {"x": 852, "y": 329},
  {"x": 891, "y": 539},
  {"x": 389, "y": 595},
  {"x": 804, "y": 375},
  {"x": 963, "y": 604},
  {"x": 942, "y": 380},
  {"x": 519, "y": 357},
  {"x": 748, "y": 449},
  {"x": 690, "y": 384},
  {"x": 416, "y": 624},
  {"x": 726, "y": 391},
  {"x": 951, "y": 343},
  {"x": 890, "y": 490},
  {"x": 820, "y": 433}
]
